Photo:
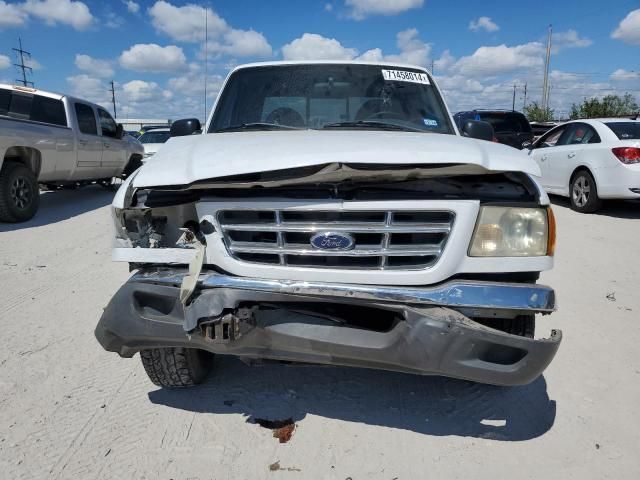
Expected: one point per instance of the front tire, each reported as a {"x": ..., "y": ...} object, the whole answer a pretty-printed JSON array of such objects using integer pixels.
[
  {"x": 19, "y": 193},
  {"x": 176, "y": 367},
  {"x": 584, "y": 193}
]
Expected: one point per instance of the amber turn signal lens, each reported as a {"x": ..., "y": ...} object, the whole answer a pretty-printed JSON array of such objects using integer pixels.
[{"x": 551, "y": 241}]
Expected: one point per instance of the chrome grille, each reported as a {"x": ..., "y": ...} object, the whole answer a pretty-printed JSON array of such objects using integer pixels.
[{"x": 383, "y": 239}]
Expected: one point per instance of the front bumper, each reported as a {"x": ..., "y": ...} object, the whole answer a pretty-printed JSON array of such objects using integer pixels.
[{"x": 434, "y": 336}]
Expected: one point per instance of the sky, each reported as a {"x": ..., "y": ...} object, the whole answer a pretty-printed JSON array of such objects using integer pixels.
[{"x": 154, "y": 51}]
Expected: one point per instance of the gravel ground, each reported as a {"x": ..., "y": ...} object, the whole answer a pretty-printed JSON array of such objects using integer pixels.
[{"x": 68, "y": 409}]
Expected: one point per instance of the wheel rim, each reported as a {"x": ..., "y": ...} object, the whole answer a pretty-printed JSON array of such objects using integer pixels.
[
  {"x": 581, "y": 191},
  {"x": 21, "y": 193}
]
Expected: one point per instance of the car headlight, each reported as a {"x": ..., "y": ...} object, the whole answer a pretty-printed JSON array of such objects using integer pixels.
[{"x": 513, "y": 232}]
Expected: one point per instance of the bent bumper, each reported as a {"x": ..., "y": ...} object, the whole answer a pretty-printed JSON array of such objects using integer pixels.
[{"x": 432, "y": 337}]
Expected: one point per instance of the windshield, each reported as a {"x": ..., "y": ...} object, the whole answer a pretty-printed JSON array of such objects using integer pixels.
[
  {"x": 154, "y": 137},
  {"x": 331, "y": 96},
  {"x": 625, "y": 130}
]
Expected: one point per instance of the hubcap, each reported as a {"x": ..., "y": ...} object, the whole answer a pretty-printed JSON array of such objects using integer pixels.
[
  {"x": 581, "y": 191},
  {"x": 21, "y": 193}
]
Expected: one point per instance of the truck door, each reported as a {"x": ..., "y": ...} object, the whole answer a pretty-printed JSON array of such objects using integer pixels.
[
  {"x": 89, "y": 143},
  {"x": 114, "y": 152}
]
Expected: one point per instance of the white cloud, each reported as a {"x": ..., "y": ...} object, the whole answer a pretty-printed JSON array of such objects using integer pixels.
[
  {"x": 99, "y": 68},
  {"x": 622, "y": 75},
  {"x": 501, "y": 59},
  {"x": 412, "y": 50},
  {"x": 139, "y": 91},
  {"x": 150, "y": 57},
  {"x": 132, "y": 7},
  {"x": 312, "y": 46},
  {"x": 328, "y": 7},
  {"x": 241, "y": 43},
  {"x": 5, "y": 62},
  {"x": 629, "y": 29},
  {"x": 11, "y": 15},
  {"x": 68, "y": 12},
  {"x": 363, "y": 8},
  {"x": 187, "y": 24},
  {"x": 89, "y": 88},
  {"x": 483, "y": 23},
  {"x": 569, "y": 39},
  {"x": 32, "y": 63}
]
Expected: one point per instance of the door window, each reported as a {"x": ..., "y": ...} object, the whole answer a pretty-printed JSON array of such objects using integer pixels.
[
  {"x": 551, "y": 138},
  {"x": 86, "y": 119},
  {"x": 107, "y": 124},
  {"x": 579, "y": 134}
]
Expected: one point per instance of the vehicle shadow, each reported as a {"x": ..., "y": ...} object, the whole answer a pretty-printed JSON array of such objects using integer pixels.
[
  {"x": 63, "y": 204},
  {"x": 428, "y": 405},
  {"x": 610, "y": 208}
]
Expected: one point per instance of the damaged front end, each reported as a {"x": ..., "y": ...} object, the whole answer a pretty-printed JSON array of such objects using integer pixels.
[
  {"x": 428, "y": 330},
  {"x": 228, "y": 265}
]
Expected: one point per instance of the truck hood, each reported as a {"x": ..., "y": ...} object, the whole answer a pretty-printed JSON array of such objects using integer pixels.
[{"x": 206, "y": 158}]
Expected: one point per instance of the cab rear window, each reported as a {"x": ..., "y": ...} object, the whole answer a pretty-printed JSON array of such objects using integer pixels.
[
  {"x": 625, "y": 130},
  {"x": 37, "y": 108}
]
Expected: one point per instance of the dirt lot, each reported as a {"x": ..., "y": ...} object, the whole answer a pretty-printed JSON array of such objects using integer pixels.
[{"x": 70, "y": 410}]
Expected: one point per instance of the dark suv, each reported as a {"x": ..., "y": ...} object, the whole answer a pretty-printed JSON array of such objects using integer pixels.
[{"x": 511, "y": 128}]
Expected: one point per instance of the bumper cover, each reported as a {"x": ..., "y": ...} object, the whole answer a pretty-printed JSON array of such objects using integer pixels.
[{"x": 433, "y": 337}]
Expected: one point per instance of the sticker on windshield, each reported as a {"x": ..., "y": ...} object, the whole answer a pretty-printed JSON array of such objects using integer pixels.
[
  {"x": 429, "y": 122},
  {"x": 404, "y": 76}
]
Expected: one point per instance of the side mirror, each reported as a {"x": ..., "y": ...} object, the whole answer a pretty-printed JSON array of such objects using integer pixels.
[
  {"x": 527, "y": 144},
  {"x": 478, "y": 129},
  {"x": 187, "y": 126},
  {"x": 119, "y": 131}
]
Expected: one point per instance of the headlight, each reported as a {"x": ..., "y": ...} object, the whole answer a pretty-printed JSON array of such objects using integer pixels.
[{"x": 513, "y": 232}]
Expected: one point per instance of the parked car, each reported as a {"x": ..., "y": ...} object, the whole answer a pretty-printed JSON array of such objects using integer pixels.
[
  {"x": 590, "y": 160},
  {"x": 55, "y": 140},
  {"x": 511, "y": 128},
  {"x": 153, "y": 139},
  {"x": 332, "y": 214}
]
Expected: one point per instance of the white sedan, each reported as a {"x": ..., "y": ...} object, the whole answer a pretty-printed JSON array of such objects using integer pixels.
[
  {"x": 153, "y": 139},
  {"x": 590, "y": 160}
]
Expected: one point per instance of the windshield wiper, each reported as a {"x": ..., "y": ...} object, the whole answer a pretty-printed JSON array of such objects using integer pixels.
[
  {"x": 374, "y": 125},
  {"x": 256, "y": 126}
]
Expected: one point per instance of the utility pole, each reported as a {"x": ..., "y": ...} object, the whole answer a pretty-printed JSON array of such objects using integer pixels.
[
  {"x": 432, "y": 63},
  {"x": 22, "y": 53},
  {"x": 113, "y": 99},
  {"x": 206, "y": 59},
  {"x": 545, "y": 83},
  {"x": 513, "y": 103},
  {"x": 524, "y": 103}
]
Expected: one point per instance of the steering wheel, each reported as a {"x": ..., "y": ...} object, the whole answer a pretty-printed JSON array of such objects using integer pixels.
[{"x": 285, "y": 116}]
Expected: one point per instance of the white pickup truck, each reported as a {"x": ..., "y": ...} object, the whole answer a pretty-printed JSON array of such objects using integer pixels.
[
  {"x": 332, "y": 213},
  {"x": 56, "y": 140}
]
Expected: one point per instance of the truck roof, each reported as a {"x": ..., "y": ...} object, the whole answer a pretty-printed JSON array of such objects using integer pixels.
[
  {"x": 330, "y": 62},
  {"x": 20, "y": 88}
]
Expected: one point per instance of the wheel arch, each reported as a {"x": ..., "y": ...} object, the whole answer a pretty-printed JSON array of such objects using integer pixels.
[
  {"x": 28, "y": 156},
  {"x": 578, "y": 169}
]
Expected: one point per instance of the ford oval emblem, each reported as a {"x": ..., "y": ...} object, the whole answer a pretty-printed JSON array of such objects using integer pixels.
[{"x": 333, "y": 241}]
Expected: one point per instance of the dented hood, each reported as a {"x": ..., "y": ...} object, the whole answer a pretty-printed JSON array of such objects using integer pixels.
[{"x": 186, "y": 160}]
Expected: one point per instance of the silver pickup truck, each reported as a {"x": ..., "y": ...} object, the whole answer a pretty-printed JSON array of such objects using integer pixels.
[{"x": 56, "y": 140}]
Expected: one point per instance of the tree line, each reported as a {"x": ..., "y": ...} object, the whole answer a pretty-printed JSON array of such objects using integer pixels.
[{"x": 608, "y": 106}]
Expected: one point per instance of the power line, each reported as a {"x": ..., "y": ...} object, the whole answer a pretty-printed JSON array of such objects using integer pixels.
[{"x": 22, "y": 53}]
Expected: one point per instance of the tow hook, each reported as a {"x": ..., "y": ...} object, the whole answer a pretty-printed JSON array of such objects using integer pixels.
[{"x": 229, "y": 327}]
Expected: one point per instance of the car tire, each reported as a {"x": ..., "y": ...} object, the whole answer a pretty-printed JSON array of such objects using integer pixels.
[
  {"x": 19, "y": 193},
  {"x": 583, "y": 193},
  {"x": 522, "y": 326},
  {"x": 176, "y": 367}
]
